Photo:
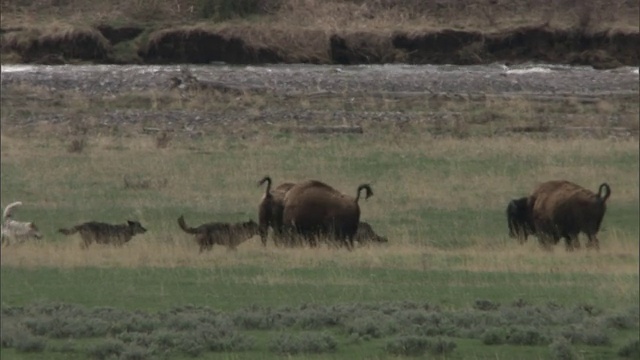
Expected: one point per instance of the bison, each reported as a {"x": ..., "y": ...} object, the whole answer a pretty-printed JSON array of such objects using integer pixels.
[
  {"x": 562, "y": 209},
  {"x": 271, "y": 208},
  {"x": 313, "y": 208},
  {"x": 519, "y": 219}
]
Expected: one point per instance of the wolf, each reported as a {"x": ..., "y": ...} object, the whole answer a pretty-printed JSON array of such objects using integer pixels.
[
  {"x": 17, "y": 231},
  {"x": 102, "y": 233},
  {"x": 229, "y": 235}
]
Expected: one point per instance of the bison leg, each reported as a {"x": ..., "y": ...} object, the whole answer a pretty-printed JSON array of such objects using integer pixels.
[
  {"x": 593, "y": 242},
  {"x": 572, "y": 242}
]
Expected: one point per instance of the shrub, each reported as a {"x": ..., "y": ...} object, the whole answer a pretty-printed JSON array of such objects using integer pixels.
[
  {"x": 494, "y": 336},
  {"x": 306, "y": 343},
  {"x": 485, "y": 305},
  {"x": 26, "y": 342},
  {"x": 408, "y": 345},
  {"x": 561, "y": 349},
  {"x": 442, "y": 346},
  {"x": 372, "y": 326},
  {"x": 107, "y": 349},
  {"x": 630, "y": 350},
  {"x": 526, "y": 336},
  {"x": 136, "y": 352}
]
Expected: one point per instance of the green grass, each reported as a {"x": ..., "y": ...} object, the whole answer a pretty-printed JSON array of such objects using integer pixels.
[{"x": 441, "y": 202}]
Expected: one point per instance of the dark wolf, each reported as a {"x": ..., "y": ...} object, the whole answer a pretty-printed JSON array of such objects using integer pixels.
[
  {"x": 225, "y": 234},
  {"x": 103, "y": 233}
]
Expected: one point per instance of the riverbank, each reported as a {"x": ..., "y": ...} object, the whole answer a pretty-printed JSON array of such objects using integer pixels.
[{"x": 469, "y": 32}]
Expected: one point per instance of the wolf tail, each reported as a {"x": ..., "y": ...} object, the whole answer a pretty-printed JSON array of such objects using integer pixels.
[
  {"x": 7, "y": 211},
  {"x": 70, "y": 231},
  {"x": 184, "y": 227}
]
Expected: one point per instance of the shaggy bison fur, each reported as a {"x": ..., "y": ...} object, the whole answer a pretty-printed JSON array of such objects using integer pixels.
[
  {"x": 313, "y": 208},
  {"x": 271, "y": 208},
  {"x": 519, "y": 219},
  {"x": 562, "y": 209},
  {"x": 229, "y": 235}
]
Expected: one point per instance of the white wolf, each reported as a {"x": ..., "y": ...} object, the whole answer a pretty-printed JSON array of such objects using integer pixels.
[{"x": 17, "y": 231}]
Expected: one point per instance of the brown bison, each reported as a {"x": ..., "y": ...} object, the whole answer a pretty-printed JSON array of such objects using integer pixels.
[
  {"x": 313, "y": 208},
  {"x": 229, "y": 235},
  {"x": 271, "y": 208},
  {"x": 562, "y": 209}
]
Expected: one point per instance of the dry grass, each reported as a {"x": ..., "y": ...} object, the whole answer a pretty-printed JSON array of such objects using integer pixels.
[
  {"x": 347, "y": 15},
  {"x": 615, "y": 258}
]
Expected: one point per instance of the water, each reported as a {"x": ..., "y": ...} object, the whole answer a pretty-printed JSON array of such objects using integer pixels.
[{"x": 302, "y": 78}]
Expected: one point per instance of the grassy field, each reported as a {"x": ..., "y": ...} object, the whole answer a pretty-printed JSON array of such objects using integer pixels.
[{"x": 440, "y": 201}]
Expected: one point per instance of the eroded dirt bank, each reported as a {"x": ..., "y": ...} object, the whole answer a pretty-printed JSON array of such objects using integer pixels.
[{"x": 105, "y": 44}]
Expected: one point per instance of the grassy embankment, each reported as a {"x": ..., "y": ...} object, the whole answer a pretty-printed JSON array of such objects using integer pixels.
[{"x": 299, "y": 31}]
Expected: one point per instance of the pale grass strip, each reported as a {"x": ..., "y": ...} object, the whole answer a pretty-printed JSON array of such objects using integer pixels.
[{"x": 618, "y": 256}]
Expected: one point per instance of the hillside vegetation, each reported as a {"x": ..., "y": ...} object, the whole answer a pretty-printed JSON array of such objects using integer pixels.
[{"x": 599, "y": 33}]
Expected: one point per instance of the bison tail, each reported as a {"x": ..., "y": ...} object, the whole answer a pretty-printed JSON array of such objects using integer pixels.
[
  {"x": 607, "y": 192},
  {"x": 368, "y": 194},
  {"x": 184, "y": 227},
  {"x": 266, "y": 179},
  {"x": 73, "y": 230}
]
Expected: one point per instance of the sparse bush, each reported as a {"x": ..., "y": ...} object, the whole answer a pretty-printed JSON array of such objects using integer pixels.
[
  {"x": 494, "y": 336},
  {"x": 630, "y": 350},
  {"x": 304, "y": 343},
  {"x": 77, "y": 145},
  {"x": 191, "y": 345},
  {"x": 561, "y": 349},
  {"x": 409, "y": 345},
  {"x": 30, "y": 344},
  {"x": 485, "y": 305},
  {"x": 107, "y": 349},
  {"x": 621, "y": 321},
  {"x": 163, "y": 139},
  {"x": 587, "y": 336},
  {"x": 228, "y": 9},
  {"x": 526, "y": 336},
  {"x": 442, "y": 346},
  {"x": 136, "y": 352},
  {"x": 372, "y": 326}
]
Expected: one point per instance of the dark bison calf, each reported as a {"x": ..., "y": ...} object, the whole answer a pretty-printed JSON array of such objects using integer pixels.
[
  {"x": 560, "y": 209},
  {"x": 313, "y": 208},
  {"x": 271, "y": 208},
  {"x": 519, "y": 219}
]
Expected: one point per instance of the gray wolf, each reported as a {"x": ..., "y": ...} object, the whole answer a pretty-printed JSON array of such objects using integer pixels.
[
  {"x": 103, "y": 233},
  {"x": 225, "y": 234}
]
